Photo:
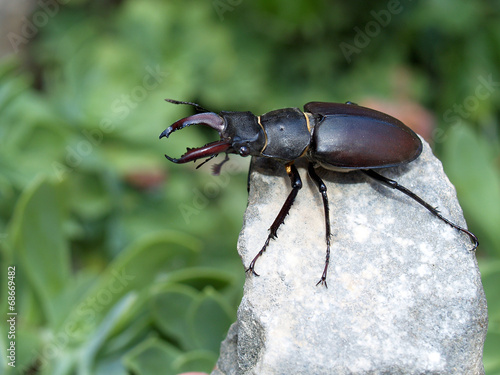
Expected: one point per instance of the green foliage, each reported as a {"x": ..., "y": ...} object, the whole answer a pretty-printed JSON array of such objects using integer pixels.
[
  {"x": 132, "y": 306},
  {"x": 126, "y": 263}
]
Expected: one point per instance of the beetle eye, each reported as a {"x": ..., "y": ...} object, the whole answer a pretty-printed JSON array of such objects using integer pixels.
[{"x": 244, "y": 151}]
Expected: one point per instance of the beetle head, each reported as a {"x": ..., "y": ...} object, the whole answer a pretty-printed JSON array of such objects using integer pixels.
[{"x": 239, "y": 132}]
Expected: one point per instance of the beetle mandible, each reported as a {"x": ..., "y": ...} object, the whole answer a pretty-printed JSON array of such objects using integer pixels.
[{"x": 339, "y": 137}]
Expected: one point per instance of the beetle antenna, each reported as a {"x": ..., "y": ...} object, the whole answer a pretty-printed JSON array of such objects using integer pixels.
[
  {"x": 217, "y": 167},
  {"x": 197, "y": 106}
]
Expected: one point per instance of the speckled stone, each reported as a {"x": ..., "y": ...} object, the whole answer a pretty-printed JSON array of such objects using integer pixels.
[{"x": 404, "y": 292}]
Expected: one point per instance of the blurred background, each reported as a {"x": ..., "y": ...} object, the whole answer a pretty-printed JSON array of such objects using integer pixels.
[{"x": 126, "y": 263}]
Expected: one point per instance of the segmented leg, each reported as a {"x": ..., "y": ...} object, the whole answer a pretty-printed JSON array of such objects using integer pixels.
[
  {"x": 322, "y": 189},
  {"x": 394, "y": 185},
  {"x": 296, "y": 182}
]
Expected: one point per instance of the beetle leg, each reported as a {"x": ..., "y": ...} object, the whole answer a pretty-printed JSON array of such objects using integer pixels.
[
  {"x": 394, "y": 185},
  {"x": 217, "y": 167},
  {"x": 328, "y": 234},
  {"x": 296, "y": 182}
]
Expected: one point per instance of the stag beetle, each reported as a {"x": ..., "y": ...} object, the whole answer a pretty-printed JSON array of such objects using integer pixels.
[{"x": 335, "y": 136}]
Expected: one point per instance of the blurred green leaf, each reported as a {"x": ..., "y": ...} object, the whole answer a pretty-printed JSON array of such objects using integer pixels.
[
  {"x": 490, "y": 276},
  {"x": 169, "y": 305},
  {"x": 134, "y": 269},
  {"x": 469, "y": 163},
  {"x": 209, "y": 319},
  {"x": 111, "y": 366},
  {"x": 196, "y": 360},
  {"x": 199, "y": 278},
  {"x": 39, "y": 241},
  {"x": 28, "y": 342},
  {"x": 491, "y": 359},
  {"x": 82, "y": 103},
  {"x": 92, "y": 346},
  {"x": 153, "y": 356},
  {"x": 136, "y": 330},
  {"x": 12, "y": 85}
]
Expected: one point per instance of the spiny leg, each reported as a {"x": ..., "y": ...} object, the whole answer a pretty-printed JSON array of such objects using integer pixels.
[
  {"x": 394, "y": 185},
  {"x": 322, "y": 190},
  {"x": 296, "y": 182}
]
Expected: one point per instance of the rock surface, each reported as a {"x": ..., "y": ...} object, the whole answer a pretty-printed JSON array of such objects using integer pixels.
[{"x": 404, "y": 292}]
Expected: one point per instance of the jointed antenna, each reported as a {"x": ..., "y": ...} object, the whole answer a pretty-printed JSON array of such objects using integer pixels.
[{"x": 197, "y": 106}]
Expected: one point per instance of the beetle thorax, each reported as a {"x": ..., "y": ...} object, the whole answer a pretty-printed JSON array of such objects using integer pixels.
[{"x": 287, "y": 133}]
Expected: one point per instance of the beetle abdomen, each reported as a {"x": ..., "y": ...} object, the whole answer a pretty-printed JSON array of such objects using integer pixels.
[{"x": 346, "y": 141}]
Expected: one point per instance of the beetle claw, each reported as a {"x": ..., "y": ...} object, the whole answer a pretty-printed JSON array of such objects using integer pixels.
[
  {"x": 472, "y": 237},
  {"x": 165, "y": 133},
  {"x": 322, "y": 281},
  {"x": 209, "y": 119},
  {"x": 172, "y": 159},
  {"x": 250, "y": 269},
  {"x": 210, "y": 150}
]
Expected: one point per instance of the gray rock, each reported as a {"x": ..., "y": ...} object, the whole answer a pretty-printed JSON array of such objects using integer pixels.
[{"x": 404, "y": 292}]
